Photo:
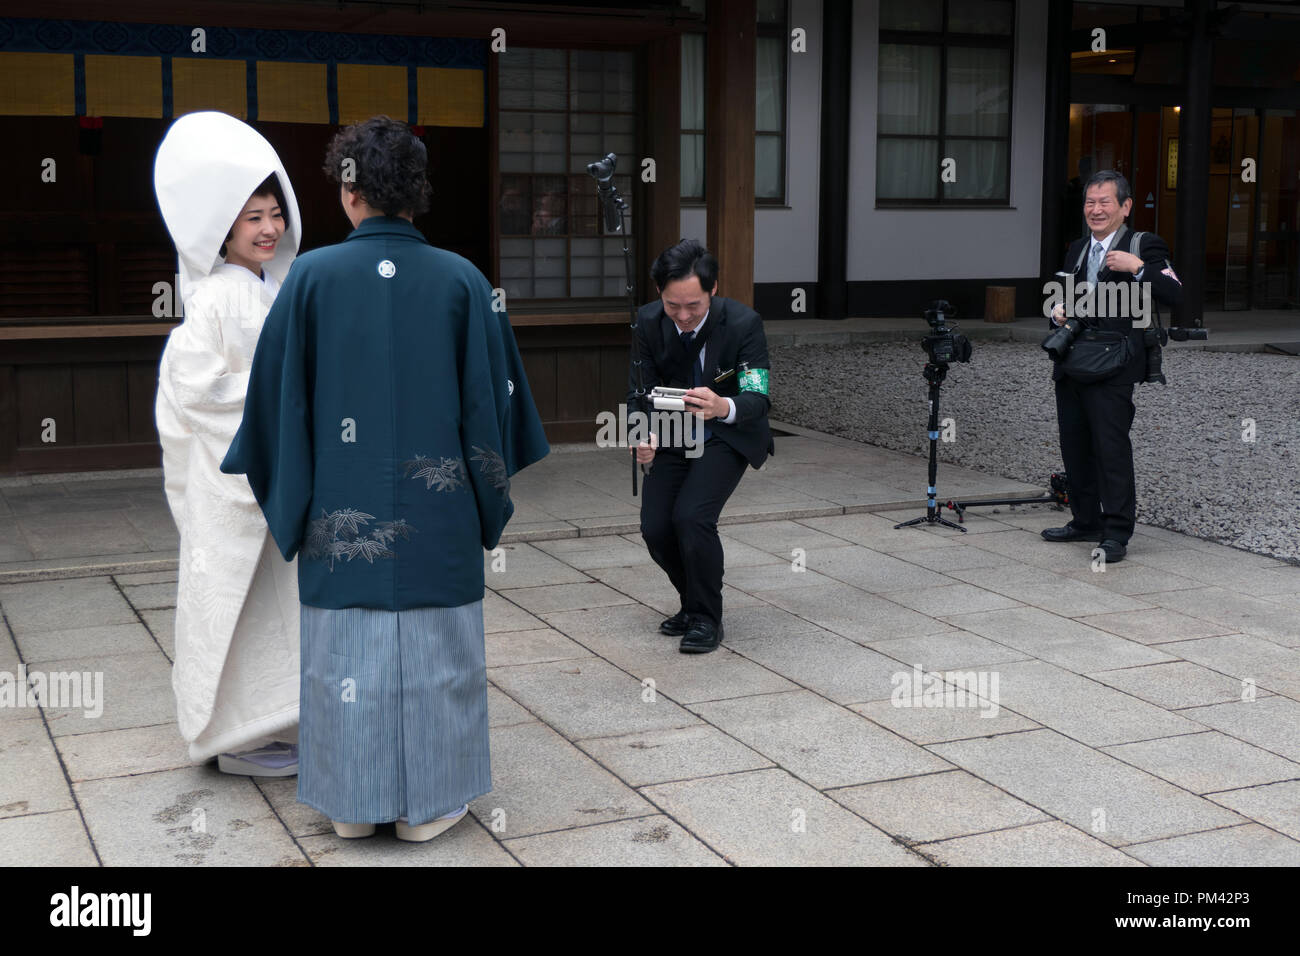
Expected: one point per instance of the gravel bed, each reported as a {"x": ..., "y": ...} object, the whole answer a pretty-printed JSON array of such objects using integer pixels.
[{"x": 1195, "y": 473}]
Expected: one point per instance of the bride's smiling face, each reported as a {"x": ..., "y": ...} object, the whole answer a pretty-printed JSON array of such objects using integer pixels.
[{"x": 256, "y": 233}]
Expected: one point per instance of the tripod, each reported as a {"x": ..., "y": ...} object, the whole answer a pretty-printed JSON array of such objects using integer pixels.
[
  {"x": 935, "y": 373},
  {"x": 615, "y": 209}
]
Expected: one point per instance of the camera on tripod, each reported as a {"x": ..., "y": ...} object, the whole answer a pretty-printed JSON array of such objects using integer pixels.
[{"x": 944, "y": 344}]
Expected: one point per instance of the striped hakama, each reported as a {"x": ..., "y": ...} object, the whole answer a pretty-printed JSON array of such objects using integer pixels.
[{"x": 393, "y": 718}]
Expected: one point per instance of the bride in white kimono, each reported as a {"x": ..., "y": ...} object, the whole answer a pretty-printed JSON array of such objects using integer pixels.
[{"x": 231, "y": 212}]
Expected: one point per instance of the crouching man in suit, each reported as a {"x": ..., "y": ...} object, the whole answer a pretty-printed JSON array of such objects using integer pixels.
[{"x": 714, "y": 347}]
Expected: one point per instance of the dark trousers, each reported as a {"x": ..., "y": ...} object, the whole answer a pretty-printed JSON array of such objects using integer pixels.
[
  {"x": 680, "y": 503},
  {"x": 1094, "y": 421}
]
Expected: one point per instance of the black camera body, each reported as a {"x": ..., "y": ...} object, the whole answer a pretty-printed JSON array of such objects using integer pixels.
[{"x": 944, "y": 344}]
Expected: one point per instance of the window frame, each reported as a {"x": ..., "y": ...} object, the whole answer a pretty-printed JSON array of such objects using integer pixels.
[
  {"x": 633, "y": 195},
  {"x": 780, "y": 31},
  {"x": 943, "y": 40}
]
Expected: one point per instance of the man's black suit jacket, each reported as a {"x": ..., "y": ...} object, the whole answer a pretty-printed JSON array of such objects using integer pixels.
[
  {"x": 732, "y": 334},
  {"x": 1165, "y": 289}
]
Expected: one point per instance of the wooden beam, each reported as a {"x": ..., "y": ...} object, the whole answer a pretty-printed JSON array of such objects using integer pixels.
[
  {"x": 729, "y": 143},
  {"x": 663, "y": 143}
]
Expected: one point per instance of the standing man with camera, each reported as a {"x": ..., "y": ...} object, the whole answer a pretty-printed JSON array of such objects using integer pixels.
[
  {"x": 1098, "y": 358},
  {"x": 715, "y": 348}
]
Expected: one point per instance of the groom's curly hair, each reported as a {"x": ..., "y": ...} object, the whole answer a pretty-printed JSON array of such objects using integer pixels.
[{"x": 384, "y": 161}]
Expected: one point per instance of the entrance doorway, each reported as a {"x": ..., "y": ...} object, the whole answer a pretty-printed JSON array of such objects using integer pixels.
[{"x": 1253, "y": 223}]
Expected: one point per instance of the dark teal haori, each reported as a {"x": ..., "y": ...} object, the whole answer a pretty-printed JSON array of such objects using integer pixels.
[{"x": 387, "y": 410}]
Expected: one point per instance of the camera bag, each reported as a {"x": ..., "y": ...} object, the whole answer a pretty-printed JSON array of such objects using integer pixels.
[{"x": 1096, "y": 354}]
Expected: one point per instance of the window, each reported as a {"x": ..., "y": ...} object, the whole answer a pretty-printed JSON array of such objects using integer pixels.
[
  {"x": 692, "y": 170},
  {"x": 558, "y": 111},
  {"x": 944, "y": 102},
  {"x": 769, "y": 102},
  {"x": 771, "y": 45}
]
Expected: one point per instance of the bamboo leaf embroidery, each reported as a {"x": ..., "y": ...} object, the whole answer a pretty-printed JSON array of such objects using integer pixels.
[
  {"x": 339, "y": 535},
  {"x": 493, "y": 467},
  {"x": 447, "y": 474}
]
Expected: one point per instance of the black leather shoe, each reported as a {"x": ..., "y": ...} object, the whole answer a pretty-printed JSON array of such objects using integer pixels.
[
  {"x": 676, "y": 625},
  {"x": 1071, "y": 533},
  {"x": 1113, "y": 550},
  {"x": 702, "y": 636}
]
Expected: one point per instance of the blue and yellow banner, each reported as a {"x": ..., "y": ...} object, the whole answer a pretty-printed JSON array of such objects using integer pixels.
[{"x": 102, "y": 68}]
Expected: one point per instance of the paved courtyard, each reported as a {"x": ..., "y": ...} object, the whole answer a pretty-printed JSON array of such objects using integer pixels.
[{"x": 891, "y": 697}]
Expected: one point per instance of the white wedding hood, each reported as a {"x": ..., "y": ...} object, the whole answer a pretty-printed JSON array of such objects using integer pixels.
[{"x": 208, "y": 165}]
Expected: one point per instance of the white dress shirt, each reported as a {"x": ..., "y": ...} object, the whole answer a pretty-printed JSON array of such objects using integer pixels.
[{"x": 731, "y": 416}]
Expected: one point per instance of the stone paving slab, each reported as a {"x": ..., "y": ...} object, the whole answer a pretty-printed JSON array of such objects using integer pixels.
[
  {"x": 1276, "y": 805},
  {"x": 1081, "y": 708},
  {"x": 948, "y": 651},
  {"x": 45, "y": 839},
  {"x": 1262, "y": 617},
  {"x": 136, "y": 692},
  {"x": 936, "y": 806},
  {"x": 196, "y": 816},
  {"x": 930, "y": 725},
  {"x": 526, "y": 566},
  {"x": 32, "y": 781},
  {"x": 852, "y": 613},
  {"x": 943, "y": 599},
  {"x": 504, "y": 711},
  {"x": 118, "y": 753},
  {"x": 655, "y": 590},
  {"x": 1268, "y": 722},
  {"x": 151, "y": 597},
  {"x": 588, "y": 698},
  {"x": 564, "y": 597},
  {"x": 1131, "y": 805},
  {"x": 500, "y": 614},
  {"x": 768, "y": 818},
  {"x": 1137, "y": 579},
  {"x": 1042, "y": 844},
  {"x": 505, "y": 648},
  {"x": 465, "y": 844},
  {"x": 1207, "y": 762},
  {"x": 82, "y": 534},
  {"x": 1154, "y": 626},
  {"x": 646, "y": 841},
  {"x": 830, "y": 665},
  {"x": 628, "y": 637},
  {"x": 541, "y": 782},
  {"x": 1270, "y": 666},
  {"x": 64, "y": 605},
  {"x": 1249, "y": 845},
  {"x": 1056, "y": 593},
  {"x": 779, "y": 537},
  {"x": 1057, "y": 640},
  {"x": 82, "y": 643},
  {"x": 1175, "y": 685},
  {"x": 825, "y": 745},
  {"x": 682, "y": 753},
  {"x": 162, "y": 626}
]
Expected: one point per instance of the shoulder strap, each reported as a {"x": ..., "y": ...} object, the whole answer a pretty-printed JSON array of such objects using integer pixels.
[
  {"x": 1084, "y": 246},
  {"x": 1135, "y": 246}
]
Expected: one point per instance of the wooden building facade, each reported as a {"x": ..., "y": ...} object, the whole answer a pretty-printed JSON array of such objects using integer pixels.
[{"x": 512, "y": 100}]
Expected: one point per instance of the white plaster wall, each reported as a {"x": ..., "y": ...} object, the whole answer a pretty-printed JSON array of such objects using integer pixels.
[{"x": 922, "y": 243}]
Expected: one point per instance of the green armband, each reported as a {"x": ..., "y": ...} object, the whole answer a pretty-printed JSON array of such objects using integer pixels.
[{"x": 754, "y": 380}]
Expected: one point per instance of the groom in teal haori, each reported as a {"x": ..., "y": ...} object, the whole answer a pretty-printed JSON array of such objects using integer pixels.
[{"x": 387, "y": 409}]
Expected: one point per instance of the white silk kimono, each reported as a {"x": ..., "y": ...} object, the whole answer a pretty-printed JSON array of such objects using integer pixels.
[{"x": 237, "y": 614}]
